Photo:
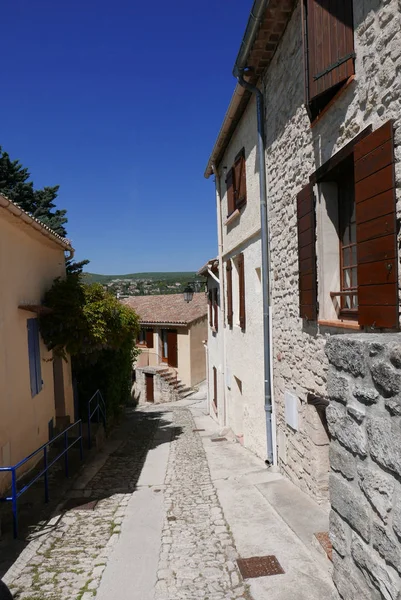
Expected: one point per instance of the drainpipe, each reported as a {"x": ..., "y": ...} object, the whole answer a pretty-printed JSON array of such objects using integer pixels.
[
  {"x": 239, "y": 74},
  {"x": 222, "y": 344}
]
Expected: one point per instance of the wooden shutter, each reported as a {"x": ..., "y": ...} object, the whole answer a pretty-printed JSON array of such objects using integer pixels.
[
  {"x": 215, "y": 310},
  {"x": 376, "y": 229},
  {"x": 240, "y": 180},
  {"x": 210, "y": 302},
  {"x": 241, "y": 282},
  {"x": 307, "y": 253},
  {"x": 330, "y": 41},
  {"x": 149, "y": 338},
  {"x": 229, "y": 293},
  {"x": 35, "y": 370},
  {"x": 230, "y": 192},
  {"x": 215, "y": 388}
]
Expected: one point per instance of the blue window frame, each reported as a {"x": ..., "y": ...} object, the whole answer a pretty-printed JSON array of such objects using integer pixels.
[{"x": 35, "y": 370}]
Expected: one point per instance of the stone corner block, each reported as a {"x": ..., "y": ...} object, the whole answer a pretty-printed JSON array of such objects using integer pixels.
[
  {"x": 386, "y": 379},
  {"x": 347, "y": 354},
  {"x": 351, "y": 505}
]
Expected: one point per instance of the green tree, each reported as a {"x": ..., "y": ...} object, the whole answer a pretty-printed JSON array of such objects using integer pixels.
[
  {"x": 15, "y": 185},
  {"x": 97, "y": 331}
]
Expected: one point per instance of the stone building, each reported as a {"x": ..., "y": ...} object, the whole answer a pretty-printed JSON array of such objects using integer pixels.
[
  {"x": 171, "y": 343},
  {"x": 329, "y": 108}
]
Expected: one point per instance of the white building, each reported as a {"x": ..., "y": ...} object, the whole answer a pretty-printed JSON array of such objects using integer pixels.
[{"x": 329, "y": 79}]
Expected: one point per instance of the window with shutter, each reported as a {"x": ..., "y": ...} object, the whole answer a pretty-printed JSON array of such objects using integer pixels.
[
  {"x": 328, "y": 50},
  {"x": 215, "y": 388},
  {"x": 215, "y": 310},
  {"x": 307, "y": 253},
  {"x": 230, "y": 192},
  {"x": 376, "y": 229},
  {"x": 240, "y": 180},
  {"x": 241, "y": 286},
  {"x": 229, "y": 293},
  {"x": 236, "y": 184},
  {"x": 149, "y": 338},
  {"x": 35, "y": 370},
  {"x": 210, "y": 303}
]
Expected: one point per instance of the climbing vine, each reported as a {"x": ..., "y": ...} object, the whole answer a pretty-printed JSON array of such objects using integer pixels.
[{"x": 98, "y": 332}]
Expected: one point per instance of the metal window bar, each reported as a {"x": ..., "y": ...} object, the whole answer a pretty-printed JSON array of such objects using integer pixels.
[
  {"x": 99, "y": 410},
  {"x": 15, "y": 493}
]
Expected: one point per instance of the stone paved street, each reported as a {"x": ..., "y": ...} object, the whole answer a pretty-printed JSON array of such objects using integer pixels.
[
  {"x": 169, "y": 519},
  {"x": 198, "y": 552}
]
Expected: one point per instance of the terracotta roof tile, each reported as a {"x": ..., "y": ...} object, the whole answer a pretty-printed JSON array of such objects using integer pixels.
[{"x": 169, "y": 308}]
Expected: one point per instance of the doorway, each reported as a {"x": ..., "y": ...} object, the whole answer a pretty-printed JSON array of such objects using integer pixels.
[
  {"x": 150, "y": 397},
  {"x": 170, "y": 347}
]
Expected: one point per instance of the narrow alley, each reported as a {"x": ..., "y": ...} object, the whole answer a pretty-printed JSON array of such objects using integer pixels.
[{"x": 165, "y": 512}]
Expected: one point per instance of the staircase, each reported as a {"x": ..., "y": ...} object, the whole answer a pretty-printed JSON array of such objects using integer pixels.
[{"x": 169, "y": 375}]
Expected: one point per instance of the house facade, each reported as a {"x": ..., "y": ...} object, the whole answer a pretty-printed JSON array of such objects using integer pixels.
[
  {"x": 35, "y": 391},
  {"x": 330, "y": 81},
  {"x": 171, "y": 342}
]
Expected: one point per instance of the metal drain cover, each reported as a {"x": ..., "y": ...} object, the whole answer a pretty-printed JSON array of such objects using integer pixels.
[
  {"x": 198, "y": 430},
  {"x": 324, "y": 540},
  {"x": 219, "y": 439},
  {"x": 80, "y": 504},
  {"x": 259, "y": 566}
]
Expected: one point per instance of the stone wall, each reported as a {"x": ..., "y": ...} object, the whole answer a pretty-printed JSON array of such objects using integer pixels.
[
  {"x": 294, "y": 150},
  {"x": 163, "y": 392},
  {"x": 364, "y": 418}
]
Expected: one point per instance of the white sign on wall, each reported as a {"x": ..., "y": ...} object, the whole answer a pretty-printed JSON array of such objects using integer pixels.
[{"x": 291, "y": 409}]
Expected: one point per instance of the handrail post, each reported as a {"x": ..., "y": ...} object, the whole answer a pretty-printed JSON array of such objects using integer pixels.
[
  {"x": 89, "y": 427},
  {"x": 14, "y": 502},
  {"x": 81, "y": 444},
  {"x": 46, "y": 474},
  {"x": 66, "y": 452}
]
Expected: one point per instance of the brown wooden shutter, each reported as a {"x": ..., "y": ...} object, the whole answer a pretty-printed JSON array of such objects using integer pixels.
[
  {"x": 307, "y": 253},
  {"x": 230, "y": 192},
  {"x": 229, "y": 293},
  {"x": 215, "y": 388},
  {"x": 210, "y": 308},
  {"x": 149, "y": 338},
  {"x": 240, "y": 180},
  {"x": 215, "y": 310},
  {"x": 241, "y": 281},
  {"x": 376, "y": 229},
  {"x": 330, "y": 52}
]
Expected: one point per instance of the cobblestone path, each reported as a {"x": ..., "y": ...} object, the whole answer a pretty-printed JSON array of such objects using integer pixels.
[
  {"x": 198, "y": 555},
  {"x": 70, "y": 561}
]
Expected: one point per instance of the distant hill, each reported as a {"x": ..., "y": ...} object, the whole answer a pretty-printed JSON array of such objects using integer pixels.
[
  {"x": 169, "y": 275},
  {"x": 142, "y": 284}
]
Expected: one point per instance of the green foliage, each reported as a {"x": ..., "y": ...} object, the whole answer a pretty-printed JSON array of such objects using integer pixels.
[
  {"x": 97, "y": 331},
  {"x": 39, "y": 203}
]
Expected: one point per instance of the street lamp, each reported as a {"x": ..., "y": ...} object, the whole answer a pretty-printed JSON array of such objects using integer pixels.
[{"x": 188, "y": 294}]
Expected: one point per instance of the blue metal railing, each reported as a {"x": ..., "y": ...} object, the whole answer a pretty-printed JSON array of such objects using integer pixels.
[
  {"x": 15, "y": 493},
  {"x": 96, "y": 406}
]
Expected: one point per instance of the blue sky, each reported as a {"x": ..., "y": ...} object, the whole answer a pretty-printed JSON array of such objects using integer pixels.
[{"x": 120, "y": 103}]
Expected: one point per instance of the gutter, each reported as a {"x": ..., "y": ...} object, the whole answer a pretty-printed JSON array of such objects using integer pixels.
[
  {"x": 251, "y": 31},
  {"x": 239, "y": 71}
]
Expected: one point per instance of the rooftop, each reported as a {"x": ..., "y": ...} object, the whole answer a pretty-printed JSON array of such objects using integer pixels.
[
  {"x": 16, "y": 214},
  {"x": 168, "y": 309}
]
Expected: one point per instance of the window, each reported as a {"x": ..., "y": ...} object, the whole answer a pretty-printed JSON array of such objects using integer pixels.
[
  {"x": 236, "y": 184},
  {"x": 348, "y": 247},
  {"x": 328, "y": 51},
  {"x": 215, "y": 389},
  {"x": 347, "y": 236},
  {"x": 229, "y": 278},
  {"x": 241, "y": 290},
  {"x": 146, "y": 338},
  {"x": 35, "y": 370}
]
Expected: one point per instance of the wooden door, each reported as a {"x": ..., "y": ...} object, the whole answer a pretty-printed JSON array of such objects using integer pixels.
[
  {"x": 172, "y": 346},
  {"x": 149, "y": 388}
]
